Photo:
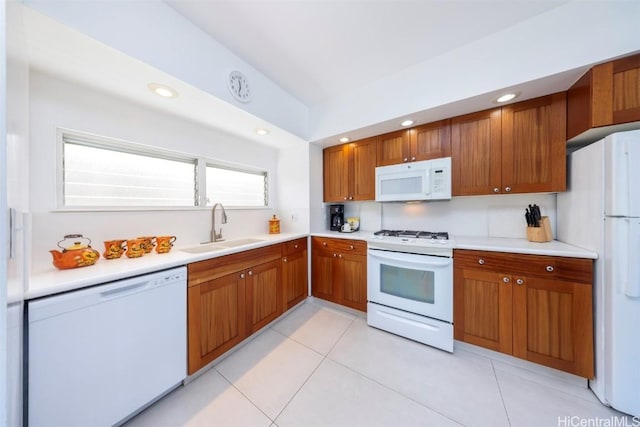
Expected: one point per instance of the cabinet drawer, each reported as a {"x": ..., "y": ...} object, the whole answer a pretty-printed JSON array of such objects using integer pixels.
[
  {"x": 561, "y": 268},
  {"x": 294, "y": 246},
  {"x": 356, "y": 247}
]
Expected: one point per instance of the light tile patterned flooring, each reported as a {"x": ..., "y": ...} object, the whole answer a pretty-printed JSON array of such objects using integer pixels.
[{"x": 322, "y": 366}]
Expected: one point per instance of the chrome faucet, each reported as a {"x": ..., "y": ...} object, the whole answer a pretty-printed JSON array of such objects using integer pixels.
[{"x": 217, "y": 237}]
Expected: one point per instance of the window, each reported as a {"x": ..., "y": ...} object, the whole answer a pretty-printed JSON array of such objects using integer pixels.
[
  {"x": 233, "y": 187},
  {"x": 98, "y": 172}
]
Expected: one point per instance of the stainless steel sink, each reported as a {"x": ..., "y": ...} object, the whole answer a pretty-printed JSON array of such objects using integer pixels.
[{"x": 218, "y": 246}]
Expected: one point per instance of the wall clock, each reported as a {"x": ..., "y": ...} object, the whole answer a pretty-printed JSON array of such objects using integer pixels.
[{"x": 239, "y": 86}]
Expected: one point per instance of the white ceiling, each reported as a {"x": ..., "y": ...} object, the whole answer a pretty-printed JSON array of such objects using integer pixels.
[{"x": 319, "y": 49}]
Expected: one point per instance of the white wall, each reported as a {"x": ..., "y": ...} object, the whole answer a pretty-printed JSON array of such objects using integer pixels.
[
  {"x": 567, "y": 37},
  {"x": 57, "y": 103},
  {"x": 293, "y": 190}
]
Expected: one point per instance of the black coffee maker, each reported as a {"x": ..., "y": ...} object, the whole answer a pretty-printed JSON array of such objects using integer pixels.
[{"x": 336, "y": 217}]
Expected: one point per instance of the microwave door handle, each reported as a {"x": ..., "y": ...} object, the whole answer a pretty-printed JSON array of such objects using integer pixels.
[{"x": 391, "y": 256}]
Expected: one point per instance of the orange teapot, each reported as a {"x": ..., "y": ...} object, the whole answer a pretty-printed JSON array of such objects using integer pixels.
[{"x": 76, "y": 252}]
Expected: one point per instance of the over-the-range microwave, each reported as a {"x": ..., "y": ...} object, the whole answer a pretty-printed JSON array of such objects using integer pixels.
[{"x": 423, "y": 180}]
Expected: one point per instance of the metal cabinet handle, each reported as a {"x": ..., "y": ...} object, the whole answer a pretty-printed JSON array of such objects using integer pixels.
[
  {"x": 507, "y": 189},
  {"x": 351, "y": 247},
  {"x": 496, "y": 190},
  {"x": 250, "y": 273},
  {"x": 549, "y": 268},
  {"x": 520, "y": 282},
  {"x": 340, "y": 256},
  {"x": 350, "y": 197},
  {"x": 242, "y": 275},
  {"x": 413, "y": 158},
  {"x": 295, "y": 246},
  {"x": 506, "y": 279},
  {"x": 481, "y": 261},
  {"x": 335, "y": 255},
  {"x": 345, "y": 197},
  {"x": 324, "y": 243},
  {"x": 405, "y": 159},
  {"x": 284, "y": 260}
]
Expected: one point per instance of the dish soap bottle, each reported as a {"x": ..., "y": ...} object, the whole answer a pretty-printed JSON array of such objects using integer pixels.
[{"x": 274, "y": 225}]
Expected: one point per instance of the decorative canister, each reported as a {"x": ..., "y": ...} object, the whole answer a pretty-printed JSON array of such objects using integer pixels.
[{"x": 274, "y": 225}]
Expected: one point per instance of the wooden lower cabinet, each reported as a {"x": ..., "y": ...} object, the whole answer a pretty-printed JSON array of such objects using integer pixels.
[
  {"x": 229, "y": 298},
  {"x": 537, "y": 308},
  {"x": 294, "y": 272},
  {"x": 339, "y": 271}
]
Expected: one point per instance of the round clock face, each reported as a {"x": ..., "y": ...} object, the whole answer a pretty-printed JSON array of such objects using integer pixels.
[{"x": 239, "y": 86}]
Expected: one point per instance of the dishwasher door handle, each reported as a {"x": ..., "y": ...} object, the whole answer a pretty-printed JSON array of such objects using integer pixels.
[{"x": 125, "y": 290}]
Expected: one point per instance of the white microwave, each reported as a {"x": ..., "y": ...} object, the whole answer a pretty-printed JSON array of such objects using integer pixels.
[{"x": 423, "y": 180}]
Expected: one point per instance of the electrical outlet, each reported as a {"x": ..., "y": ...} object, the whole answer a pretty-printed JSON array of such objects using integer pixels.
[{"x": 294, "y": 217}]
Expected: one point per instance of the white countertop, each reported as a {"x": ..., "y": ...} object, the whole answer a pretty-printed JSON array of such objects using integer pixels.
[
  {"x": 55, "y": 281},
  {"x": 492, "y": 244}
]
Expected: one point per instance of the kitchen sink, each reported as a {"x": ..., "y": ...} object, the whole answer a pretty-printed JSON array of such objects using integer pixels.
[{"x": 218, "y": 246}]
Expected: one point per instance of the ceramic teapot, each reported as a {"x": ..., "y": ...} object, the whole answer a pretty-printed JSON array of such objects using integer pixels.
[{"x": 76, "y": 252}]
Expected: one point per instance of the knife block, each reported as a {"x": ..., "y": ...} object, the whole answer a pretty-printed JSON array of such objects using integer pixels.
[{"x": 542, "y": 233}]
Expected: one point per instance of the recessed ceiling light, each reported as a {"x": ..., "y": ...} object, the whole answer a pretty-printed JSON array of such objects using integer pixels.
[
  {"x": 407, "y": 123},
  {"x": 345, "y": 139},
  {"x": 262, "y": 131},
  {"x": 162, "y": 90},
  {"x": 508, "y": 97}
]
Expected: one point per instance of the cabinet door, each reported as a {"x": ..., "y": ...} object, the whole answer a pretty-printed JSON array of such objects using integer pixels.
[
  {"x": 336, "y": 173},
  {"x": 364, "y": 155},
  {"x": 393, "y": 148},
  {"x": 430, "y": 141},
  {"x": 476, "y": 153},
  {"x": 626, "y": 90},
  {"x": 264, "y": 298},
  {"x": 216, "y": 318},
  {"x": 294, "y": 278},
  {"x": 482, "y": 308},
  {"x": 534, "y": 145},
  {"x": 352, "y": 279},
  {"x": 553, "y": 324},
  {"x": 323, "y": 284}
]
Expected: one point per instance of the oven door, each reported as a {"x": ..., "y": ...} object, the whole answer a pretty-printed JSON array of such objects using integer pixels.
[{"x": 420, "y": 284}]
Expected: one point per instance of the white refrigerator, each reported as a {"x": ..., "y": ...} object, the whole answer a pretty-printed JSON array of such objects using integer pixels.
[{"x": 601, "y": 212}]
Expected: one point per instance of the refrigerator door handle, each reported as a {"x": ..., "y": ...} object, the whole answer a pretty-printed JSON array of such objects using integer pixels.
[{"x": 632, "y": 274}]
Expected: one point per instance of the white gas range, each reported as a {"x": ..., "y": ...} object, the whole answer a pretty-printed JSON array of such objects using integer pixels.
[{"x": 410, "y": 285}]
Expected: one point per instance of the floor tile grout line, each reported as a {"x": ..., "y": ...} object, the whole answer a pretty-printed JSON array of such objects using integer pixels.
[
  {"x": 324, "y": 357},
  {"x": 243, "y": 395},
  {"x": 504, "y": 404}
]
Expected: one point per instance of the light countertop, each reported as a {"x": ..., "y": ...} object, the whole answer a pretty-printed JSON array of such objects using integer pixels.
[{"x": 56, "y": 281}]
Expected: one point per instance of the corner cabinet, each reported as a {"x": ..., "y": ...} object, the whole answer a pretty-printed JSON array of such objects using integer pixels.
[
  {"x": 537, "y": 308},
  {"x": 339, "y": 271},
  {"x": 349, "y": 171},
  {"x": 294, "y": 272},
  {"x": 608, "y": 94},
  {"x": 229, "y": 298},
  {"x": 519, "y": 148}
]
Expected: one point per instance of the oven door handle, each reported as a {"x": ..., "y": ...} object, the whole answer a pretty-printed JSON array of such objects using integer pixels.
[{"x": 391, "y": 256}]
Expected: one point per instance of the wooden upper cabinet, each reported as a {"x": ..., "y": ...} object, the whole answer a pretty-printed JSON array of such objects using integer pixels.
[
  {"x": 476, "y": 152},
  {"x": 393, "y": 148},
  {"x": 336, "y": 173},
  {"x": 424, "y": 142},
  {"x": 430, "y": 141},
  {"x": 534, "y": 145},
  {"x": 608, "y": 94},
  {"x": 364, "y": 158},
  {"x": 349, "y": 171}
]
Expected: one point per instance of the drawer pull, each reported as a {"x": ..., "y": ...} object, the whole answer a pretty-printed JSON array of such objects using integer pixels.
[
  {"x": 520, "y": 282},
  {"x": 295, "y": 246},
  {"x": 284, "y": 260},
  {"x": 549, "y": 268},
  {"x": 481, "y": 261},
  {"x": 242, "y": 275},
  {"x": 351, "y": 247},
  {"x": 335, "y": 255},
  {"x": 250, "y": 273},
  {"x": 506, "y": 279},
  {"x": 340, "y": 256},
  {"x": 324, "y": 243}
]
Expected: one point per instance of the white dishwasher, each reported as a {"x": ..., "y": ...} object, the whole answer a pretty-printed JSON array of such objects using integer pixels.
[{"x": 97, "y": 355}]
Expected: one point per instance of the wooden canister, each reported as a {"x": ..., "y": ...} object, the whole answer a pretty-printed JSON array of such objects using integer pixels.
[{"x": 274, "y": 225}]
